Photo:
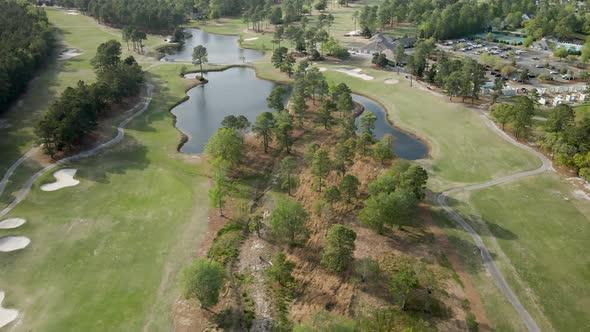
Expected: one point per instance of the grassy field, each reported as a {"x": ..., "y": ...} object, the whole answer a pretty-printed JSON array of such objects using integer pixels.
[
  {"x": 75, "y": 31},
  {"x": 111, "y": 246},
  {"x": 538, "y": 228},
  {"x": 581, "y": 111}
]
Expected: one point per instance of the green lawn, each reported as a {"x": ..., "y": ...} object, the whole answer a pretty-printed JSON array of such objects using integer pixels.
[
  {"x": 105, "y": 254},
  {"x": 114, "y": 244},
  {"x": 538, "y": 230},
  {"x": 581, "y": 111}
]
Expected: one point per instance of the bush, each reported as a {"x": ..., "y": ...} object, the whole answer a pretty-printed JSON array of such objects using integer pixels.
[
  {"x": 472, "y": 324},
  {"x": 202, "y": 279},
  {"x": 226, "y": 245},
  {"x": 315, "y": 55}
]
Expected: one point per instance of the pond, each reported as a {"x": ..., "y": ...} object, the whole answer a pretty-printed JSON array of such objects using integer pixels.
[
  {"x": 220, "y": 49},
  {"x": 237, "y": 91},
  {"x": 406, "y": 146}
]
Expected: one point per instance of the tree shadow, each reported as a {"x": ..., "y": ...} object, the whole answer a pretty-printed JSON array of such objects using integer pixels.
[
  {"x": 483, "y": 227},
  {"x": 128, "y": 155}
]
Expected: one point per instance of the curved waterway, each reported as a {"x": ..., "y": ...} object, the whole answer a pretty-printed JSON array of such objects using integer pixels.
[
  {"x": 220, "y": 49},
  {"x": 237, "y": 91},
  {"x": 406, "y": 146}
]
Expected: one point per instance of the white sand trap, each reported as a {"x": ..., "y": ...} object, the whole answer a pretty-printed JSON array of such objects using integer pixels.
[
  {"x": 250, "y": 39},
  {"x": 12, "y": 243},
  {"x": 11, "y": 223},
  {"x": 64, "y": 177},
  {"x": 72, "y": 12},
  {"x": 323, "y": 69},
  {"x": 356, "y": 72},
  {"x": 391, "y": 81},
  {"x": 69, "y": 53},
  {"x": 6, "y": 315}
]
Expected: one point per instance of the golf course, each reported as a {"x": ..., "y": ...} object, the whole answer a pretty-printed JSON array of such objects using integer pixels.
[{"x": 110, "y": 227}]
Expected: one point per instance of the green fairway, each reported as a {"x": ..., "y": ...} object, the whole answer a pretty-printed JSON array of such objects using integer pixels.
[
  {"x": 538, "y": 228},
  {"x": 113, "y": 244},
  {"x": 105, "y": 254}
]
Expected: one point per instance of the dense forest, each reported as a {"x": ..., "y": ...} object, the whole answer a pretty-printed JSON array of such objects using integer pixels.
[
  {"x": 454, "y": 18},
  {"x": 146, "y": 14},
  {"x": 25, "y": 41},
  {"x": 76, "y": 112}
]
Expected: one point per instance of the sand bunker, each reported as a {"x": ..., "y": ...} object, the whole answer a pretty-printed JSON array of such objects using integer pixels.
[
  {"x": 323, "y": 69},
  {"x": 72, "y": 12},
  {"x": 250, "y": 39},
  {"x": 6, "y": 315},
  {"x": 11, "y": 223},
  {"x": 391, "y": 81},
  {"x": 12, "y": 243},
  {"x": 69, "y": 53},
  {"x": 356, "y": 72},
  {"x": 64, "y": 177}
]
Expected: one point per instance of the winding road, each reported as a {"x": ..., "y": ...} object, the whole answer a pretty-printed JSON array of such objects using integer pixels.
[
  {"x": 488, "y": 261},
  {"x": 22, "y": 194}
]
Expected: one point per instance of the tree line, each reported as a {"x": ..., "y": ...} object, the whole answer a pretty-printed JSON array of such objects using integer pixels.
[
  {"x": 75, "y": 113},
  {"x": 26, "y": 40},
  {"x": 451, "y": 19},
  {"x": 155, "y": 15}
]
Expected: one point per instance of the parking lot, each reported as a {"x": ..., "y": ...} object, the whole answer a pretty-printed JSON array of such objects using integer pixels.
[{"x": 537, "y": 61}]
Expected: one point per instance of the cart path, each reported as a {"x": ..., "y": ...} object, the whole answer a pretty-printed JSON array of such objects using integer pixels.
[
  {"x": 138, "y": 109},
  {"x": 488, "y": 261}
]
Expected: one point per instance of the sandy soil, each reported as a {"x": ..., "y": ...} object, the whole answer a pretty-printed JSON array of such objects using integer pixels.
[
  {"x": 6, "y": 315},
  {"x": 72, "y": 12},
  {"x": 391, "y": 81},
  {"x": 356, "y": 72},
  {"x": 13, "y": 243},
  {"x": 323, "y": 69},
  {"x": 11, "y": 223},
  {"x": 250, "y": 39},
  {"x": 69, "y": 53},
  {"x": 471, "y": 292},
  {"x": 64, "y": 178}
]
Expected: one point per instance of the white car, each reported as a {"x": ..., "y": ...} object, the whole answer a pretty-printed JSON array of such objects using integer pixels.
[{"x": 553, "y": 72}]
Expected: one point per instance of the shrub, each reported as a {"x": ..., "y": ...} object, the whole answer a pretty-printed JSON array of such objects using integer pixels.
[{"x": 202, "y": 279}]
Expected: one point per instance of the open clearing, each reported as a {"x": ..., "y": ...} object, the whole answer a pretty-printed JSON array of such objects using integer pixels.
[{"x": 63, "y": 178}]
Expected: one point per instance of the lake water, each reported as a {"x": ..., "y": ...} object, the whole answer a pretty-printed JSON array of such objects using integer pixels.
[
  {"x": 221, "y": 49},
  {"x": 237, "y": 91},
  {"x": 406, "y": 146},
  {"x": 234, "y": 91}
]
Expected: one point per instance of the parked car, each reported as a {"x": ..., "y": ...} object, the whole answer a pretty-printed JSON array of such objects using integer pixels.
[{"x": 539, "y": 66}]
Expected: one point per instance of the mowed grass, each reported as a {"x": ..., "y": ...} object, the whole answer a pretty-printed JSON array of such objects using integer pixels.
[
  {"x": 75, "y": 31},
  {"x": 538, "y": 230},
  {"x": 105, "y": 254}
]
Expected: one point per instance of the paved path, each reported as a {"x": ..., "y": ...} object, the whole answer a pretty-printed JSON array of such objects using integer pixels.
[
  {"x": 135, "y": 111},
  {"x": 13, "y": 168},
  {"x": 487, "y": 258}
]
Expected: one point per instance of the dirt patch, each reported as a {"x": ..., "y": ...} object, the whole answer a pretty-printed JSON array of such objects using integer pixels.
[
  {"x": 469, "y": 288},
  {"x": 355, "y": 72},
  {"x": 69, "y": 53},
  {"x": 253, "y": 260},
  {"x": 391, "y": 81},
  {"x": 251, "y": 39}
]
